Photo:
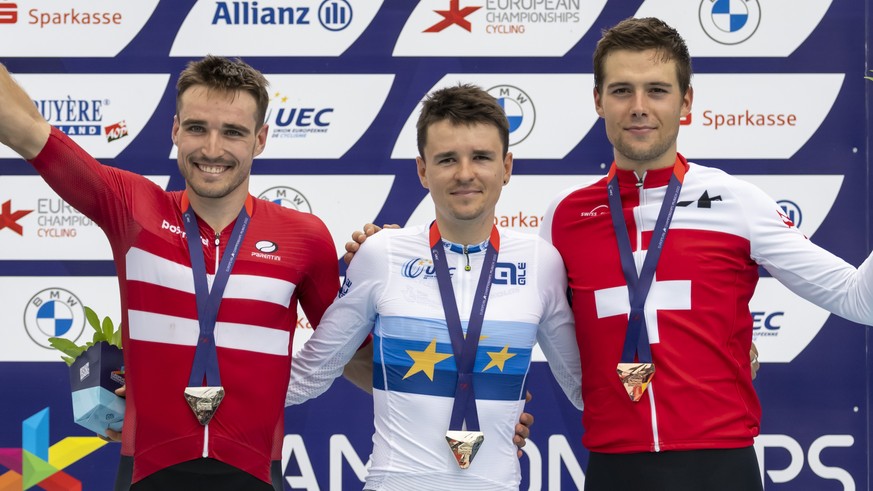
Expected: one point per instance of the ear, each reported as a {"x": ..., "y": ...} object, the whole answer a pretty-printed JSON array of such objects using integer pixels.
[
  {"x": 261, "y": 139},
  {"x": 175, "y": 132},
  {"x": 420, "y": 165},
  {"x": 598, "y": 105},
  {"x": 507, "y": 168},
  {"x": 687, "y": 99}
]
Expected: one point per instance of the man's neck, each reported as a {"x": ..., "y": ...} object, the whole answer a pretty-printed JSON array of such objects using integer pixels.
[
  {"x": 466, "y": 233},
  {"x": 218, "y": 213},
  {"x": 640, "y": 167}
]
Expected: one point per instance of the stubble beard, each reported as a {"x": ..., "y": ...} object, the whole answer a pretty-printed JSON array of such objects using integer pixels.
[
  {"x": 208, "y": 191},
  {"x": 645, "y": 154}
]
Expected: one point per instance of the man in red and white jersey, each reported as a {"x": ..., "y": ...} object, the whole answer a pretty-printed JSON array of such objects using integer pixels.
[
  {"x": 210, "y": 279},
  {"x": 662, "y": 258}
]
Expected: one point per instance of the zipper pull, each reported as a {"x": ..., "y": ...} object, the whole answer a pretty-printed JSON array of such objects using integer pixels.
[
  {"x": 466, "y": 255},
  {"x": 217, "y": 239}
]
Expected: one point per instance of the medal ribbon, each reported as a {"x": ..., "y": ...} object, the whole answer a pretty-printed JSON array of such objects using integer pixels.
[
  {"x": 636, "y": 341},
  {"x": 206, "y": 357},
  {"x": 464, "y": 348}
]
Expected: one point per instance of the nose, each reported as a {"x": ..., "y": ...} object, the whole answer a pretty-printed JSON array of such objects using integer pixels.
[
  {"x": 639, "y": 108},
  {"x": 212, "y": 145},
  {"x": 464, "y": 170}
]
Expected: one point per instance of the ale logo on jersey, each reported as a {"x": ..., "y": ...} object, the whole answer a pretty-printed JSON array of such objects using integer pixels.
[
  {"x": 729, "y": 21},
  {"x": 54, "y": 312},
  {"x": 510, "y": 274},
  {"x": 519, "y": 109},
  {"x": 287, "y": 197}
]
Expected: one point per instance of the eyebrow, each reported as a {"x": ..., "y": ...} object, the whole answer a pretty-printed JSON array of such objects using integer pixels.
[
  {"x": 224, "y": 126},
  {"x": 443, "y": 155},
  {"x": 645, "y": 84}
]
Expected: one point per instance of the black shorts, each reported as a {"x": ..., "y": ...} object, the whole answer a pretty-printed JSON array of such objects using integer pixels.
[
  {"x": 206, "y": 474},
  {"x": 691, "y": 470}
]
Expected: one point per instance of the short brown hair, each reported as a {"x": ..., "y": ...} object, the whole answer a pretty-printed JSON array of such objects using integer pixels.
[
  {"x": 218, "y": 73},
  {"x": 640, "y": 35},
  {"x": 462, "y": 104}
]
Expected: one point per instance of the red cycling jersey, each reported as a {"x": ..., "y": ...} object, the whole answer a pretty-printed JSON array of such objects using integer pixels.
[
  {"x": 286, "y": 257},
  {"x": 697, "y": 311}
]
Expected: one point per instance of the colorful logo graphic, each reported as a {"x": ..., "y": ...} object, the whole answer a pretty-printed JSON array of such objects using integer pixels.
[
  {"x": 519, "y": 111},
  {"x": 9, "y": 219},
  {"x": 729, "y": 21},
  {"x": 455, "y": 15},
  {"x": 54, "y": 312},
  {"x": 38, "y": 464}
]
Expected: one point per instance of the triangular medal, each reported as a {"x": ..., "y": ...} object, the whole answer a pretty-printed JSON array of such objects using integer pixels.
[
  {"x": 464, "y": 445},
  {"x": 635, "y": 377},
  {"x": 204, "y": 401}
]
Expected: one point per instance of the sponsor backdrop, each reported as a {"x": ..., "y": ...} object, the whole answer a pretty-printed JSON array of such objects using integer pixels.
[{"x": 780, "y": 101}]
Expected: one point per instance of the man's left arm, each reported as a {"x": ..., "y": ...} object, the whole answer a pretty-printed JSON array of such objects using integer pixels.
[
  {"x": 556, "y": 333},
  {"x": 806, "y": 269}
]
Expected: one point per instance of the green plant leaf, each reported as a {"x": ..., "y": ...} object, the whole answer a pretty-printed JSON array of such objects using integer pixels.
[
  {"x": 116, "y": 338},
  {"x": 104, "y": 332},
  {"x": 66, "y": 347},
  {"x": 108, "y": 328},
  {"x": 68, "y": 360},
  {"x": 98, "y": 337},
  {"x": 93, "y": 320}
]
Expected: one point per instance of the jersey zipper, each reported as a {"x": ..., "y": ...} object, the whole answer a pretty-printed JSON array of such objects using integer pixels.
[
  {"x": 467, "y": 256},
  {"x": 462, "y": 285},
  {"x": 640, "y": 258}
]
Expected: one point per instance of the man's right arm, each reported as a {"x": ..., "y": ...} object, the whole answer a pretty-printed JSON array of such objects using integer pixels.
[
  {"x": 22, "y": 127},
  {"x": 340, "y": 332}
]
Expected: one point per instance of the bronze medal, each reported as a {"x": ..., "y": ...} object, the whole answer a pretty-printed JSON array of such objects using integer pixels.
[{"x": 635, "y": 377}]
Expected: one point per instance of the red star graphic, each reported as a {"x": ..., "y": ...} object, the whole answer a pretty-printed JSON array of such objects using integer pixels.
[
  {"x": 785, "y": 219},
  {"x": 8, "y": 219},
  {"x": 455, "y": 15}
]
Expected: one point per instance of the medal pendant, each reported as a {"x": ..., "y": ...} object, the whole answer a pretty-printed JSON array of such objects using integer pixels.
[
  {"x": 464, "y": 445},
  {"x": 635, "y": 377},
  {"x": 204, "y": 401}
]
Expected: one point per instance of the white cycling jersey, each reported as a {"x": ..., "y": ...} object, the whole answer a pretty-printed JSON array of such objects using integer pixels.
[{"x": 391, "y": 290}]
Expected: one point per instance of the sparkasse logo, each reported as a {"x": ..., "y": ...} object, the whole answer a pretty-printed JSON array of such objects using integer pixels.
[{"x": 8, "y": 13}]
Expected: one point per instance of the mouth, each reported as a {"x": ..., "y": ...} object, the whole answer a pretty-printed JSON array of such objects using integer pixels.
[{"x": 211, "y": 169}]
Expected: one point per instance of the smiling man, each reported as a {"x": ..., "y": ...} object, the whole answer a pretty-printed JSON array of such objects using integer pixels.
[
  {"x": 208, "y": 321},
  {"x": 455, "y": 308},
  {"x": 661, "y": 276}
]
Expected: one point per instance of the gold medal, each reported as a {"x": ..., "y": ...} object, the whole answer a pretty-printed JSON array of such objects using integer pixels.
[
  {"x": 464, "y": 445},
  {"x": 204, "y": 401},
  {"x": 635, "y": 377}
]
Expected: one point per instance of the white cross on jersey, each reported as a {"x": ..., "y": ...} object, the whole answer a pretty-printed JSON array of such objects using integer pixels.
[{"x": 664, "y": 295}]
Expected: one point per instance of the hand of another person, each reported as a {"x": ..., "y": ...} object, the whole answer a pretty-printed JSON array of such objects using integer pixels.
[
  {"x": 358, "y": 238},
  {"x": 112, "y": 435},
  {"x": 522, "y": 429},
  {"x": 756, "y": 365}
]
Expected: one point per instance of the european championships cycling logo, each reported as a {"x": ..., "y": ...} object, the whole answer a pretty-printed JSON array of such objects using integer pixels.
[{"x": 38, "y": 465}]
